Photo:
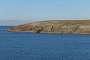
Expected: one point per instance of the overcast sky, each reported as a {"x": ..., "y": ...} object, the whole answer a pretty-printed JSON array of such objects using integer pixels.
[{"x": 14, "y": 12}]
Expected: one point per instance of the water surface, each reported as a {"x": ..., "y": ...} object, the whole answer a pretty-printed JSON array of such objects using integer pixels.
[{"x": 31, "y": 46}]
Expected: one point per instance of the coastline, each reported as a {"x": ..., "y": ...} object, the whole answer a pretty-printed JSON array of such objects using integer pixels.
[
  {"x": 55, "y": 27},
  {"x": 54, "y": 33}
]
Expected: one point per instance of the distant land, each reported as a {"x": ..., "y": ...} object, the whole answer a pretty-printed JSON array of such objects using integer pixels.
[{"x": 55, "y": 26}]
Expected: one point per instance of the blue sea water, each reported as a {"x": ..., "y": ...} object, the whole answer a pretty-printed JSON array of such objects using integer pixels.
[{"x": 31, "y": 46}]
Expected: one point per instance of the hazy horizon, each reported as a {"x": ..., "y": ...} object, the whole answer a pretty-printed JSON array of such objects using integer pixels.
[{"x": 13, "y": 12}]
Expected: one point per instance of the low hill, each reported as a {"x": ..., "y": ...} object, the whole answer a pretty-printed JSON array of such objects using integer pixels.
[{"x": 55, "y": 26}]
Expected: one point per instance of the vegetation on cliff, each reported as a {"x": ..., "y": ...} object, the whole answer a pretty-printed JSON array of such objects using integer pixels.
[{"x": 55, "y": 26}]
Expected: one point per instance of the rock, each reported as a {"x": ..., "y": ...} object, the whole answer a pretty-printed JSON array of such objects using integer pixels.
[
  {"x": 37, "y": 29},
  {"x": 60, "y": 26}
]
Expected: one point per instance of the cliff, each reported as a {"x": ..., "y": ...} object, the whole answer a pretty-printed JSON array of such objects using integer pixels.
[{"x": 55, "y": 26}]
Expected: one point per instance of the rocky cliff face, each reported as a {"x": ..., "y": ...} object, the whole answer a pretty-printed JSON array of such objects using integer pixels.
[{"x": 68, "y": 26}]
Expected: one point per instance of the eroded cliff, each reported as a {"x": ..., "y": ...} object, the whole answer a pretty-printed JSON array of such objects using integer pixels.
[{"x": 55, "y": 26}]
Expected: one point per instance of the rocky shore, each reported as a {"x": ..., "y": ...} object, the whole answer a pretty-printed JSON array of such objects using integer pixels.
[{"x": 55, "y": 26}]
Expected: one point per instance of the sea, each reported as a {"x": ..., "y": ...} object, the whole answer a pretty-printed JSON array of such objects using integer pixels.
[{"x": 43, "y": 46}]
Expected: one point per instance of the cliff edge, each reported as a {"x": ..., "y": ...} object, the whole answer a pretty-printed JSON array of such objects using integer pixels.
[{"x": 55, "y": 26}]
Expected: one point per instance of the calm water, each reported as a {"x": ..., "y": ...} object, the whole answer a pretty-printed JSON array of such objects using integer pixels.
[{"x": 30, "y": 46}]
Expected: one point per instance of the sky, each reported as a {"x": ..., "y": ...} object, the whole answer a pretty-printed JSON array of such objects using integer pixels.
[{"x": 14, "y": 12}]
